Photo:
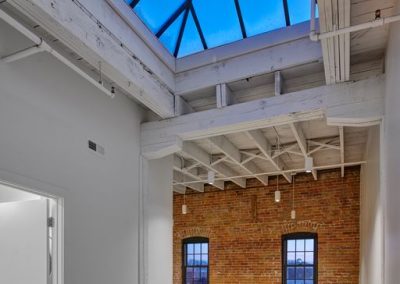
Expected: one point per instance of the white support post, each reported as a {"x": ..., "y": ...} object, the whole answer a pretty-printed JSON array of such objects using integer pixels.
[
  {"x": 224, "y": 95},
  {"x": 233, "y": 153},
  {"x": 262, "y": 143},
  {"x": 341, "y": 135}
]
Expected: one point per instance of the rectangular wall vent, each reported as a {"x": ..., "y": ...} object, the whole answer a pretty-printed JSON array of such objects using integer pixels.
[{"x": 96, "y": 147}]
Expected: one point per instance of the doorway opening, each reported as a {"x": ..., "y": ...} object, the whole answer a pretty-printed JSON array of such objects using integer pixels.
[{"x": 30, "y": 236}]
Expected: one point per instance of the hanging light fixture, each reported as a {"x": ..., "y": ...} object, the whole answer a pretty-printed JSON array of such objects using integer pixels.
[
  {"x": 277, "y": 192},
  {"x": 184, "y": 206},
  {"x": 293, "y": 212},
  {"x": 211, "y": 177},
  {"x": 308, "y": 164}
]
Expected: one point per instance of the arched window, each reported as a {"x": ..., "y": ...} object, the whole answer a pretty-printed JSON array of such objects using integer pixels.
[
  {"x": 195, "y": 260},
  {"x": 299, "y": 258}
]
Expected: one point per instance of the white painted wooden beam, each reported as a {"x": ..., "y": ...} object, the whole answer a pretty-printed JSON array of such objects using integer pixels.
[
  {"x": 180, "y": 177},
  {"x": 300, "y": 138},
  {"x": 202, "y": 157},
  {"x": 347, "y": 104},
  {"x": 278, "y": 83},
  {"x": 277, "y": 57},
  {"x": 265, "y": 147},
  {"x": 224, "y": 95},
  {"x": 341, "y": 135},
  {"x": 70, "y": 23},
  {"x": 181, "y": 106},
  {"x": 179, "y": 188},
  {"x": 299, "y": 170},
  {"x": 192, "y": 171},
  {"x": 232, "y": 152}
]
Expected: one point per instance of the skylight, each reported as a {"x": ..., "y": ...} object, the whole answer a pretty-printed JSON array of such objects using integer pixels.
[{"x": 185, "y": 27}]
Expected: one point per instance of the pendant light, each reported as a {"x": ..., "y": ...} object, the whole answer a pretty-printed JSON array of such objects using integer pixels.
[
  {"x": 277, "y": 192},
  {"x": 308, "y": 164},
  {"x": 184, "y": 206},
  {"x": 293, "y": 212}
]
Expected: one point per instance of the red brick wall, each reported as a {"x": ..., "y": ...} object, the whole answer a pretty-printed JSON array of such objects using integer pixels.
[{"x": 245, "y": 226}]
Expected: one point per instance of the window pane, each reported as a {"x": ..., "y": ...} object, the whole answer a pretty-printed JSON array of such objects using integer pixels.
[
  {"x": 290, "y": 273},
  {"x": 204, "y": 273},
  {"x": 189, "y": 273},
  {"x": 299, "y": 11},
  {"x": 309, "y": 282},
  {"x": 191, "y": 41},
  {"x": 197, "y": 248},
  {"x": 197, "y": 259},
  {"x": 260, "y": 16},
  {"x": 190, "y": 248},
  {"x": 154, "y": 16},
  {"x": 299, "y": 272},
  {"x": 170, "y": 36},
  {"x": 309, "y": 245},
  {"x": 197, "y": 273},
  {"x": 291, "y": 258},
  {"x": 204, "y": 248},
  {"x": 190, "y": 259},
  {"x": 299, "y": 245},
  {"x": 291, "y": 282},
  {"x": 291, "y": 245},
  {"x": 299, "y": 281},
  {"x": 309, "y": 258},
  {"x": 204, "y": 259},
  {"x": 309, "y": 273},
  {"x": 299, "y": 258},
  {"x": 218, "y": 20}
]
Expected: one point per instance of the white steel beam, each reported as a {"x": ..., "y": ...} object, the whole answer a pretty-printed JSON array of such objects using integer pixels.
[
  {"x": 278, "y": 83},
  {"x": 233, "y": 153},
  {"x": 180, "y": 177},
  {"x": 224, "y": 95},
  {"x": 300, "y": 138}
]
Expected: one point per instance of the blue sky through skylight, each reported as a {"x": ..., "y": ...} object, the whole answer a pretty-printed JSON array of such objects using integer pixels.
[{"x": 185, "y": 27}]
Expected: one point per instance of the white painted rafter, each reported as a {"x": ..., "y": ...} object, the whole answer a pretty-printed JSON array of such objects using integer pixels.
[
  {"x": 265, "y": 147},
  {"x": 204, "y": 158},
  {"x": 347, "y": 104},
  {"x": 179, "y": 177},
  {"x": 231, "y": 151}
]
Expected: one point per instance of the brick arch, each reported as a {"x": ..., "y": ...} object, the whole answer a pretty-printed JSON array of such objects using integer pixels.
[
  {"x": 194, "y": 232},
  {"x": 300, "y": 226}
]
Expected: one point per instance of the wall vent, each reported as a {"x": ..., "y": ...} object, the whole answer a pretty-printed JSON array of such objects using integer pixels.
[{"x": 95, "y": 147}]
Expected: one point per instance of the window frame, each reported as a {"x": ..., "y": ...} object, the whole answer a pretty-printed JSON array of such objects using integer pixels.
[
  {"x": 194, "y": 240},
  {"x": 299, "y": 236}
]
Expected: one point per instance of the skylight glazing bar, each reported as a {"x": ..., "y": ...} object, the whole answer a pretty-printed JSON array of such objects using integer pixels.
[
  {"x": 197, "y": 23},
  {"x": 134, "y": 3},
  {"x": 287, "y": 16},
  {"x": 239, "y": 13},
  {"x": 178, "y": 43},
  {"x": 174, "y": 16}
]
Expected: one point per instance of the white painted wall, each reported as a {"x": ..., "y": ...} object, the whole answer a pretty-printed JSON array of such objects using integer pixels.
[
  {"x": 23, "y": 242},
  {"x": 9, "y": 194},
  {"x": 371, "y": 250},
  {"x": 158, "y": 208},
  {"x": 391, "y": 166},
  {"x": 47, "y": 115}
]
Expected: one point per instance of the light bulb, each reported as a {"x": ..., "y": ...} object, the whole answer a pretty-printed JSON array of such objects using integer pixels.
[
  {"x": 184, "y": 209},
  {"x": 277, "y": 196},
  {"x": 211, "y": 177},
  {"x": 308, "y": 164},
  {"x": 293, "y": 214}
]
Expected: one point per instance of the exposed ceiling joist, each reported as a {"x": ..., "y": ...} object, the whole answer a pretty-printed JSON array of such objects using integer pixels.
[
  {"x": 349, "y": 104},
  {"x": 199, "y": 155},
  {"x": 300, "y": 138},
  {"x": 180, "y": 177},
  {"x": 265, "y": 147},
  {"x": 232, "y": 152}
]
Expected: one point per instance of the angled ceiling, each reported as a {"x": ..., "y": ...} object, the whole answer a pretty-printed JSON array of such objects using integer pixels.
[{"x": 185, "y": 27}]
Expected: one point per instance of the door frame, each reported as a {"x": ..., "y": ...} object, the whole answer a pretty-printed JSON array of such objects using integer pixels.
[{"x": 58, "y": 254}]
